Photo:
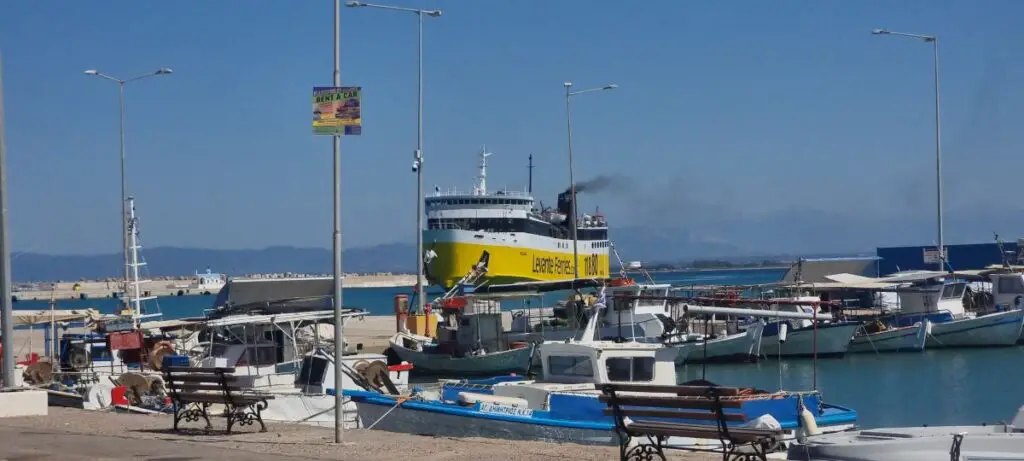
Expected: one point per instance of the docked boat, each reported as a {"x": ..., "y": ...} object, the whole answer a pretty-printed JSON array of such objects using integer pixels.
[
  {"x": 564, "y": 405},
  {"x": 930, "y": 296},
  {"x": 805, "y": 337},
  {"x": 879, "y": 337},
  {"x": 1002, "y": 442},
  {"x": 468, "y": 341},
  {"x": 524, "y": 241},
  {"x": 724, "y": 348}
]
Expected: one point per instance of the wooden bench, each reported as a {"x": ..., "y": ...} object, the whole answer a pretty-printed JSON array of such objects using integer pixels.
[
  {"x": 668, "y": 403},
  {"x": 193, "y": 390}
]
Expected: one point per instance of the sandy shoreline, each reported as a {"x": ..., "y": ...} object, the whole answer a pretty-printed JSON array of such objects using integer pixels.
[{"x": 69, "y": 435}]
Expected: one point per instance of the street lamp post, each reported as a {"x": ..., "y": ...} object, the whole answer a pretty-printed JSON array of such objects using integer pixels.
[
  {"x": 938, "y": 134},
  {"x": 417, "y": 163},
  {"x": 572, "y": 183},
  {"x": 124, "y": 198}
]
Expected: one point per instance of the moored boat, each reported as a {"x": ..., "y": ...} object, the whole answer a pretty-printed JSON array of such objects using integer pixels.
[
  {"x": 877, "y": 337},
  {"x": 564, "y": 405},
  {"x": 735, "y": 348}
]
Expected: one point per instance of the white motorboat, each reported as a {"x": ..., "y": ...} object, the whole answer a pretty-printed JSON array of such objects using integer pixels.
[
  {"x": 736, "y": 348},
  {"x": 804, "y": 337},
  {"x": 1003, "y": 442},
  {"x": 882, "y": 338}
]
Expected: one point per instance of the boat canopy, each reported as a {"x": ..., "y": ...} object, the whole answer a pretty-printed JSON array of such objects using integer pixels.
[{"x": 23, "y": 317}]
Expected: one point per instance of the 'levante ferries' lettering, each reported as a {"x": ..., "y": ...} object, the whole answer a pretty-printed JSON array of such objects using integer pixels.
[{"x": 552, "y": 265}]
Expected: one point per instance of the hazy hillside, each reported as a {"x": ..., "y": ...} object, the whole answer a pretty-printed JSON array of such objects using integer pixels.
[{"x": 785, "y": 235}]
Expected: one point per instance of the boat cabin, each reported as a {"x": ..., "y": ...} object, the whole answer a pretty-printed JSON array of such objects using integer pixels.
[
  {"x": 1008, "y": 290},
  {"x": 638, "y": 317},
  {"x": 934, "y": 296}
]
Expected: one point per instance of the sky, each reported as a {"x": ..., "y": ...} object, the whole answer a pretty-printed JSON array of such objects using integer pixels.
[{"x": 726, "y": 111}]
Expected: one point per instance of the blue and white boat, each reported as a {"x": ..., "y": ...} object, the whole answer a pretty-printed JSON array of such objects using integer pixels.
[
  {"x": 564, "y": 405},
  {"x": 932, "y": 297}
]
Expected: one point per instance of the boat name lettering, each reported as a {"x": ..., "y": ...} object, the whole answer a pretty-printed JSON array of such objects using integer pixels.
[
  {"x": 505, "y": 410},
  {"x": 551, "y": 265}
]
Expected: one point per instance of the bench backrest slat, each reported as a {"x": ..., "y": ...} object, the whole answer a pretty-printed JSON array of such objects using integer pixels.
[
  {"x": 669, "y": 402},
  {"x": 670, "y": 414},
  {"x": 692, "y": 391}
]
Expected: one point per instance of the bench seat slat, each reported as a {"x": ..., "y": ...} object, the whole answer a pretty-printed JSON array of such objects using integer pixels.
[
  {"x": 208, "y": 397},
  {"x": 190, "y": 387},
  {"x": 225, "y": 370},
  {"x": 655, "y": 413},
  {"x": 700, "y": 432}
]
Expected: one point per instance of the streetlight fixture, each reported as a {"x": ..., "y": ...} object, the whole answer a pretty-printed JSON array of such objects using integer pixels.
[
  {"x": 572, "y": 183},
  {"x": 938, "y": 134},
  {"x": 417, "y": 162},
  {"x": 124, "y": 198}
]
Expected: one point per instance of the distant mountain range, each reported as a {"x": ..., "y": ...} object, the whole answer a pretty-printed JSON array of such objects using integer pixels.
[{"x": 806, "y": 233}]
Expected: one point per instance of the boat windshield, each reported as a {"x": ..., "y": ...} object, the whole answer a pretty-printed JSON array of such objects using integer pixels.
[
  {"x": 954, "y": 290},
  {"x": 630, "y": 369}
]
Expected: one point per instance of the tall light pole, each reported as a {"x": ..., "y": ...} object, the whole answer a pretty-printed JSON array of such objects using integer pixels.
[
  {"x": 124, "y": 198},
  {"x": 572, "y": 183},
  {"x": 7, "y": 314},
  {"x": 938, "y": 134},
  {"x": 417, "y": 162},
  {"x": 339, "y": 326}
]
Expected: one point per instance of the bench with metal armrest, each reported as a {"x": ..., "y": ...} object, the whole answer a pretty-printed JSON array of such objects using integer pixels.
[
  {"x": 654, "y": 414},
  {"x": 194, "y": 389}
]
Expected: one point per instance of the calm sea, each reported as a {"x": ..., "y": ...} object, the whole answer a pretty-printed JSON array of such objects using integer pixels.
[{"x": 936, "y": 387}]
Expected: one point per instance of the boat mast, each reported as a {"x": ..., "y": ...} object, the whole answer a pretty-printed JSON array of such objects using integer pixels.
[
  {"x": 133, "y": 242},
  {"x": 481, "y": 183}
]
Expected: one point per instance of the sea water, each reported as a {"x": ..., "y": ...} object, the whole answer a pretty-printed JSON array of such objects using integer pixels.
[{"x": 934, "y": 387}]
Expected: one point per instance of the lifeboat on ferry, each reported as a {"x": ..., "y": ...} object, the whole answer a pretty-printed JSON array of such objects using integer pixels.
[{"x": 621, "y": 282}]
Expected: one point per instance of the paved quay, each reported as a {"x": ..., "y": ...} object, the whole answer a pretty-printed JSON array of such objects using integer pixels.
[{"x": 79, "y": 435}]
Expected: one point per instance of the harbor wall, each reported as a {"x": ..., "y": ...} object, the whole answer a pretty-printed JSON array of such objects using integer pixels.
[{"x": 961, "y": 257}]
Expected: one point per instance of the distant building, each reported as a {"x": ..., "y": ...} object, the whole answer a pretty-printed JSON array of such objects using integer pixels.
[{"x": 960, "y": 257}]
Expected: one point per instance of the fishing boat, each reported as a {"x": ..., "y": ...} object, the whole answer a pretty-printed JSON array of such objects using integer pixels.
[
  {"x": 879, "y": 337},
  {"x": 722, "y": 348},
  {"x": 525, "y": 241},
  {"x": 564, "y": 405},
  {"x": 995, "y": 442},
  {"x": 934, "y": 297},
  {"x": 805, "y": 337},
  {"x": 468, "y": 341}
]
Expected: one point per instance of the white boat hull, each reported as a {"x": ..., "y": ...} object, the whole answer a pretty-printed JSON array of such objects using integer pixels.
[
  {"x": 913, "y": 444},
  {"x": 833, "y": 341},
  {"x": 906, "y": 339},
  {"x": 998, "y": 329},
  {"x": 737, "y": 348}
]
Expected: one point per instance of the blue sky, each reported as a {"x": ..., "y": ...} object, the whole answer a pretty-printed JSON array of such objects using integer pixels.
[{"x": 736, "y": 109}]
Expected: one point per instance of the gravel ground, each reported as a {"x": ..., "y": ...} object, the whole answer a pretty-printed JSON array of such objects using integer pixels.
[{"x": 73, "y": 435}]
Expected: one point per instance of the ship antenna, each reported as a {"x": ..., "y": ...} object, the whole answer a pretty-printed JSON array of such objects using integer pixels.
[
  {"x": 481, "y": 186},
  {"x": 529, "y": 168}
]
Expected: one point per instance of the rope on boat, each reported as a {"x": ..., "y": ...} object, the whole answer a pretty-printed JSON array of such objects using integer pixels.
[{"x": 400, "y": 401}]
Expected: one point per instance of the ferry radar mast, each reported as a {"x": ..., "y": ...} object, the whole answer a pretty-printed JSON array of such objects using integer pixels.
[{"x": 481, "y": 184}]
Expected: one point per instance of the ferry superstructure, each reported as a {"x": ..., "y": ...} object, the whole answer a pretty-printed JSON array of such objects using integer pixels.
[{"x": 522, "y": 242}]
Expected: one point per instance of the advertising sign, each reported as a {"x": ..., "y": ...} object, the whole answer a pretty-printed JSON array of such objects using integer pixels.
[{"x": 337, "y": 111}]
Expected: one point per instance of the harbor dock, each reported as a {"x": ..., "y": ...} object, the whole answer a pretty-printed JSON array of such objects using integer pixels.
[{"x": 79, "y": 435}]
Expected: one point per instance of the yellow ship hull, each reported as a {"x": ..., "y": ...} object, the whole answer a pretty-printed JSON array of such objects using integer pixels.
[{"x": 511, "y": 263}]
